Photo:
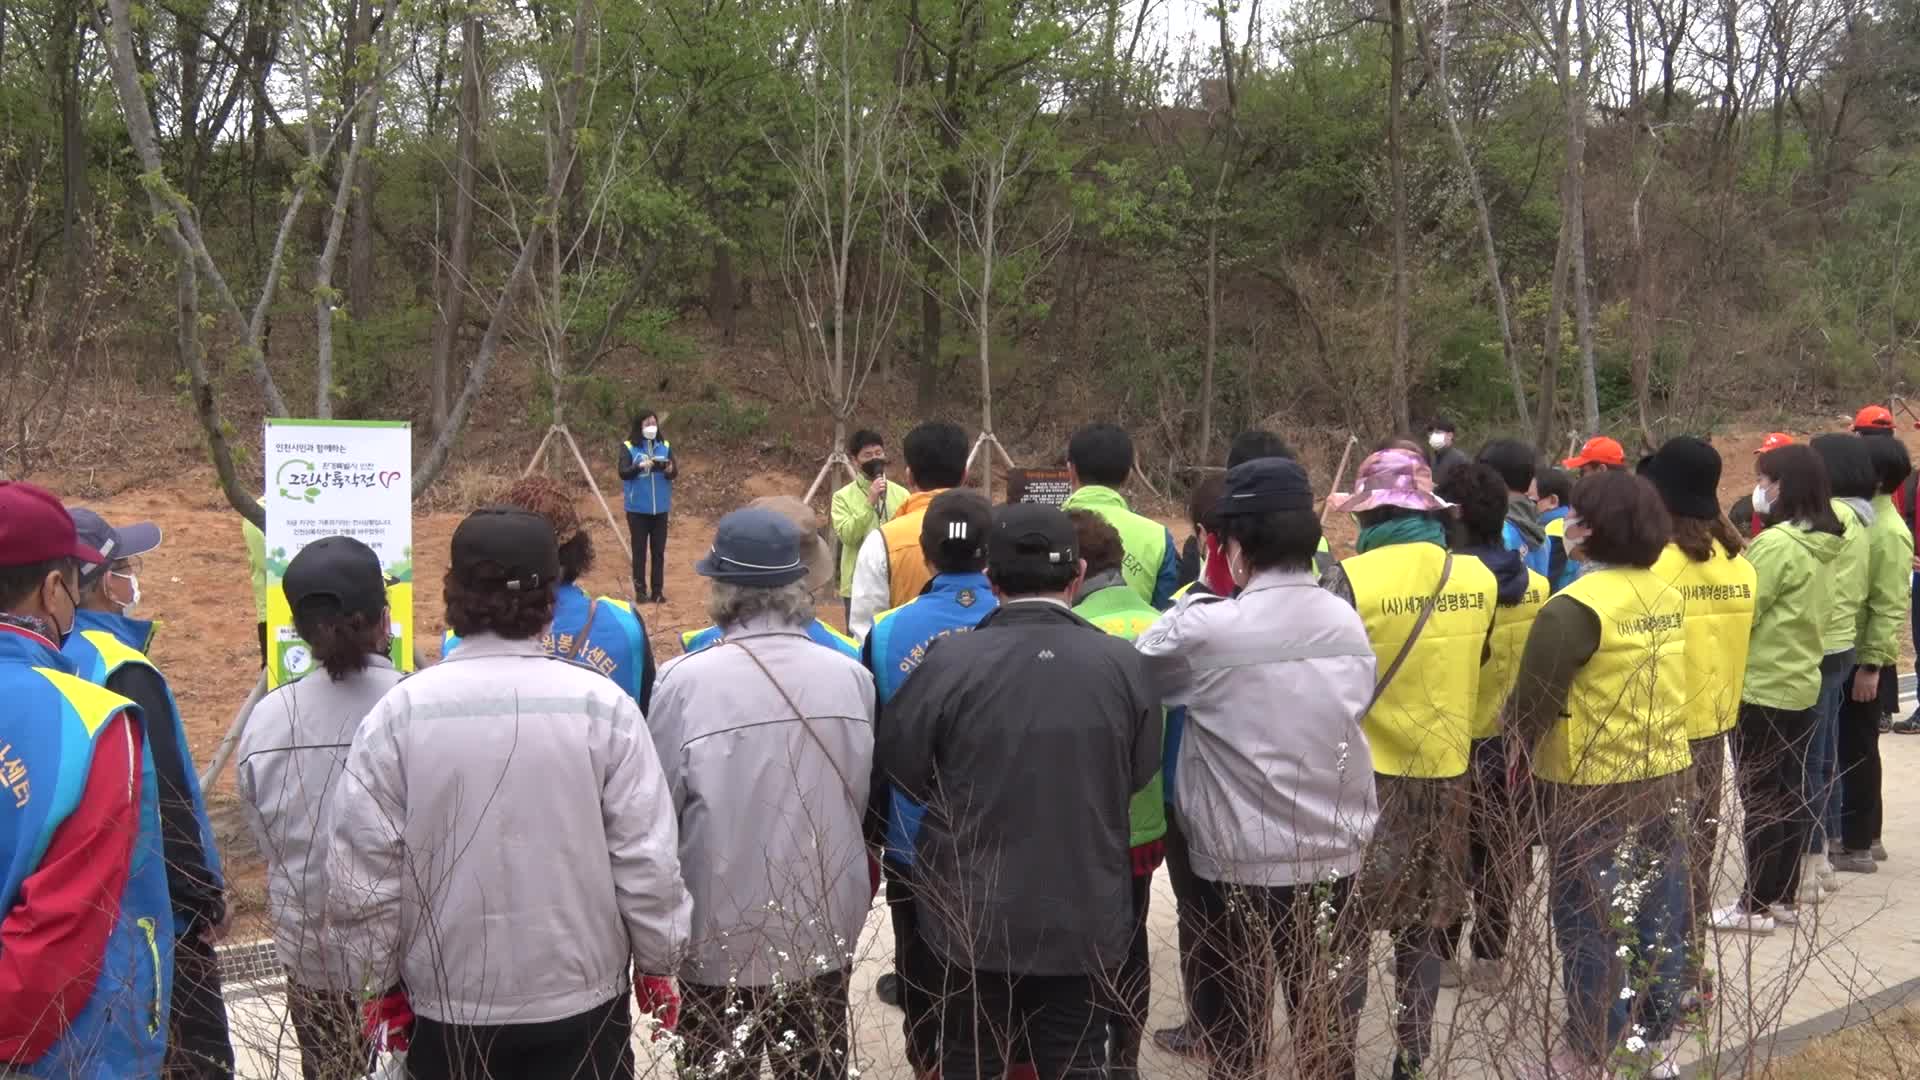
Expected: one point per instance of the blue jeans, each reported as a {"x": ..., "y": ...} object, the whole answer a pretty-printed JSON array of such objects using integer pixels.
[
  {"x": 1595, "y": 864},
  {"x": 1823, "y": 757}
]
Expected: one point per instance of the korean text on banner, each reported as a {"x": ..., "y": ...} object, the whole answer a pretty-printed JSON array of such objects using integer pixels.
[{"x": 338, "y": 478}]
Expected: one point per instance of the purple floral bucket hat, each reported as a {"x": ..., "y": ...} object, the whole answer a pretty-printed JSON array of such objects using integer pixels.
[{"x": 1399, "y": 478}]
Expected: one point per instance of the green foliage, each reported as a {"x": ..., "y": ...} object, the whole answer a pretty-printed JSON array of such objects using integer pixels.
[{"x": 718, "y": 417}]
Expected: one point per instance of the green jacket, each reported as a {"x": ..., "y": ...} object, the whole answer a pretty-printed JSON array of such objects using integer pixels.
[
  {"x": 1889, "y": 585},
  {"x": 1152, "y": 562},
  {"x": 1113, "y": 606},
  {"x": 256, "y": 566},
  {"x": 1793, "y": 571},
  {"x": 1849, "y": 590},
  {"x": 853, "y": 518}
]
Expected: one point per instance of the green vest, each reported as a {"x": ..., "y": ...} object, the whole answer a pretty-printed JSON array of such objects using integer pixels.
[
  {"x": 1143, "y": 539},
  {"x": 1119, "y": 612}
]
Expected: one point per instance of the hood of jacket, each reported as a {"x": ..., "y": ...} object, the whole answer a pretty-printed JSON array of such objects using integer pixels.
[
  {"x": 1509, "y": 571},
  {"x": 1862, "y": 509},
  {"x": 1824, "y": 547},
  {"x": 1525, "y": 516}
]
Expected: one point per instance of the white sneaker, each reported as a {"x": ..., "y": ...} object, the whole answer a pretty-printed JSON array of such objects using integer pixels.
[
  {"x": 1736, "y": 920},
  {"x": 1784, "y": 915},
  {"x": 1666, "y": 1064}
]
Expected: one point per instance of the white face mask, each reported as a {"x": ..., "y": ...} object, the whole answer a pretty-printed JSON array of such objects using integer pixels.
[
  {"x": 1762, "y": 502},
  {"x": 649, "y": 432},
  {"x": 1439, "y": 440},
  {"x": 133, "y": 591}
]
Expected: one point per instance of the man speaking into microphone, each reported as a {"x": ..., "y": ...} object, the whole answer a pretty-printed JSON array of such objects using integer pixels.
[{"x": 863, "y": 505}]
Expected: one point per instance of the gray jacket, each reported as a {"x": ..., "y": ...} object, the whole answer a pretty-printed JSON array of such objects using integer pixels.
[
  {"x": 769, "y": 802},
  {"x": 504, "y": 842},
  {"x": 291, "y": 757},
  {"x": 1275, "y": 779}
]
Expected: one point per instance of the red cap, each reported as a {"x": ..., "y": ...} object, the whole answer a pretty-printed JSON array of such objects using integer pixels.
[
  {"x": 1873, "y": 416},
  {"x": 1774, "y": 441},
  {"x": 1599, "y": 450},
  {"x": 35, "y": 528}
]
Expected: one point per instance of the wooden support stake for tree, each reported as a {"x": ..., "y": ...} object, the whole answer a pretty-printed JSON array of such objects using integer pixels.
[
  {"x": 837, "y": 457},
  {"x": 1345, "y": 456},
  {"x": 987, "y": 438},
  {"x": 580, "y": 460}
]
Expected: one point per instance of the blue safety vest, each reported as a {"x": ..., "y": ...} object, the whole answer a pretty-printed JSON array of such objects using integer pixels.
[
  {"x": 692, "y": 641},
  {"x": 48, "y": 734},
  {"x": 651, "y": 492},
  {"x": 102, "y": 644},
  {"x": 951, "y": 604},
  {"x": 600, "y": 633}
]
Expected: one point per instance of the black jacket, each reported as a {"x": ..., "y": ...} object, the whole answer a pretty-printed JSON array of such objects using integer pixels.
[
  {"x": 1025, "y": 739},
  {"x": 190, "y": 882}
]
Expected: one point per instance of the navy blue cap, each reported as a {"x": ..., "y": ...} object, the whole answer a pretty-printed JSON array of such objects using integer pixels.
[
  {"x": 125, "y": 542},
  {"x": 1265, "y": 486},
  {"x": 754, "y": 546}
]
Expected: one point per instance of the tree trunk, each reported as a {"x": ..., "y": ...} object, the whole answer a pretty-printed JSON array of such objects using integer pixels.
[
  {"x": 1577, "y": 223},
  {"x": 1204, "y": 452},
  {"x": 927, "y": 386},
  {"x": 323, "y": 292},
  {"x": 986, "y": 340},
  {"x": 1398, "y": 390},
  {"x": 360, "y": 283},
  {"x": 466, "y": 180},
  {"x": 74, "y": 239},
  {"x": 723, "y": 290}
]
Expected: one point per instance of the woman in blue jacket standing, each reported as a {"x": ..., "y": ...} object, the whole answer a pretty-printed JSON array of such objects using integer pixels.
[{"x": 647, "y": 469}]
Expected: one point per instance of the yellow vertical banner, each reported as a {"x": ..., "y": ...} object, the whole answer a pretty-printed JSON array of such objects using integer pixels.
[{"x": 337, "y": 478}]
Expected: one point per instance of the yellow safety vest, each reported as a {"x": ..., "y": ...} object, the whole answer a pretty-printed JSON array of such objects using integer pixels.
[
  {"x": 1419, "y": 726},
  {"x": 1718, "y": 595},
  {"x": 1510, "y": 627},
  {"x": 907, "y": 569},
  {"x": 1625, "y": 717}
]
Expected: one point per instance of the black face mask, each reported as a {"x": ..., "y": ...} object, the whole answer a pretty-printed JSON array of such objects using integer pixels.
[{"x": 873, "y": 467}]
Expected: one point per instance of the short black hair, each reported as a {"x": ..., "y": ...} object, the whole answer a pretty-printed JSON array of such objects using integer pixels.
[
  {"x": 1203, "y": 502},
  {"x": 1256, "y": 444},
  {"x": 1479, "y": 496},
  {"x": 1627, "y": 520},
  {"x": 1550, "y": 481},
  {"x": 1034, "y": 578},
  {"x": 1512, "y": 459},
  {"x": 1891, "y": 462},
  {"x": 640, "y": 419},
  {"x": 18, "y": 582},
  {"x": 1849, "y": 465},
  {"x": 936, "y": 456},
  {"x": 1805, "y": 493},
  {"x": 862, "y": 439},
  {"x": 1280, "y": 540},
  {"x": 1102, "y": 454},
  {"x": 1441, "y": 423},
  {"x": 576, "y": 556}
]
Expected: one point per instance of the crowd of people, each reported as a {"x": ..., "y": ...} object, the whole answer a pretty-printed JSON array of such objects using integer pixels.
[{"x": 1032, "y": 710}]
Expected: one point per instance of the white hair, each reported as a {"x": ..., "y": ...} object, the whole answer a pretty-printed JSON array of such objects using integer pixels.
[{"x": 729, "y": 604}]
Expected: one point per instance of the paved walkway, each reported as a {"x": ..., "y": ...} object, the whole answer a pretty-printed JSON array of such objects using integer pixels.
[{"x": 1859, "y": 955}]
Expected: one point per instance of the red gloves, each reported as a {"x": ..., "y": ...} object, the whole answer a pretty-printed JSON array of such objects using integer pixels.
[
  {"x": 387, "y": 1022},
  {"x": 657, "y": 998}
]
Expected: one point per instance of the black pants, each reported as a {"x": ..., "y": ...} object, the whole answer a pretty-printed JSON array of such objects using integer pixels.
[
  {"x": 594, "y": 1045},
  {"x": 197, "y": 1042},
  {"x": 1500, "y": 845},
  {"x": 326, "y": 1023},
  {"x": 919, "y": 970},
  {"x": 1770, "y": 748},
  {"x": 1307, "y": 939},
  {"x": 649, "y": 533},
  {"x": 1125, "y": 993},
  {"x": 800, "y": 1028},
  {"x": 1859, "y": 770},
  {"x": 992, "y": 1018},
  {"x": 263, "y": 644},
  {"x": 1201, "y": 995}
]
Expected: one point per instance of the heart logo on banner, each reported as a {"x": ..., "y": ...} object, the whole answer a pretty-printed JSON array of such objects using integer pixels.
[{"x": 387, "y": 478}]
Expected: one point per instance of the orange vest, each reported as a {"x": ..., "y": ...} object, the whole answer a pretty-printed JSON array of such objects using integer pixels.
[{"x": 907, "y": 569}]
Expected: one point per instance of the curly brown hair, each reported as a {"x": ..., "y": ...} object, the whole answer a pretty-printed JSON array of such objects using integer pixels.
[
  {"x": 343, "y": 642},
  {"x": 1099, "y": 542},
  {"x": 478, "y": 604},
  {"x": 543, "y": 495}
]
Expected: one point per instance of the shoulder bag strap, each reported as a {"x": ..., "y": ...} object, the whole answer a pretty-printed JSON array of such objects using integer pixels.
[
  {"x": 1419, "y": 624},
  {"x": 859, "y": 809},
  {"x": 580, "y": 649}
]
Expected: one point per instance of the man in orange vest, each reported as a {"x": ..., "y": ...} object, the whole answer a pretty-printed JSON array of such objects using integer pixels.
[{"x": 890, "y": 569}]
